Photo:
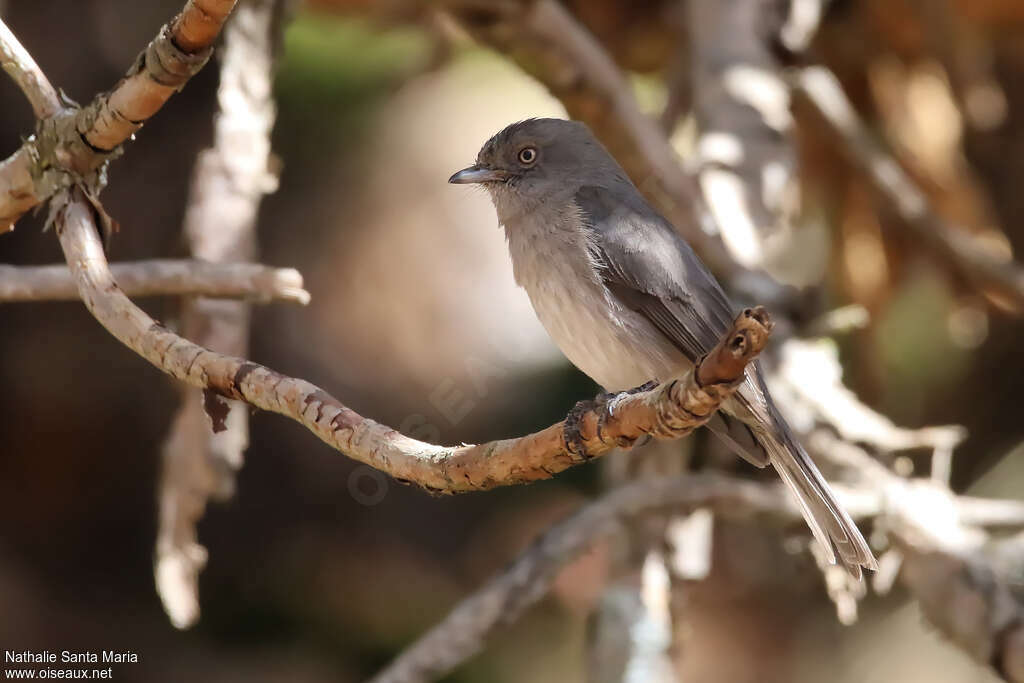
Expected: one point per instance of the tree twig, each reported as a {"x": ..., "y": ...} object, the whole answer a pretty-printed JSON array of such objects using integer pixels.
[
  {"x": 952, "y": 242},
  {"x": 503, "y": 599},
  {"x": 73, "y": 144},
  {"x": 229, "y": 180},
  {"x": 21, "y": 67},
  {"x": 160, "y": 277},
  {"x": 936, "y": 559}
]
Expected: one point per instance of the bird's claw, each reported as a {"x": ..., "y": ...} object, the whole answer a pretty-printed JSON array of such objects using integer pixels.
[
  {"x": 574, "y": 441},
  {"x": 613, "y": 400}
]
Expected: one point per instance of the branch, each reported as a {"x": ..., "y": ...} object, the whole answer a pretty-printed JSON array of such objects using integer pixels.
[
  {"x": 229, "y": 181},
  {"x": 503, "y": 599},
  {"x": 972, "y": 601},
  {"x": 670, "y": 410},
  {"x": 79, "y": 141},
  {"x": 950, "y": 241},
  {"x": 812, "y": 371},
  {"x": 160, "y": 277},
  {"x": 741, "y": 104},
  {"x": 178, "y": 52},
  {"x": 20, "y": 66}
]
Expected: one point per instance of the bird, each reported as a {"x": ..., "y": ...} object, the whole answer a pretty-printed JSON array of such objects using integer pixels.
[{"x": 628, "y": 301}]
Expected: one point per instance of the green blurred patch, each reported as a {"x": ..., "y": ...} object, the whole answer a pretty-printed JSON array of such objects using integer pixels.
[
  {"x": 917, "y": 353},
  {"x": 333, "y": 71}
]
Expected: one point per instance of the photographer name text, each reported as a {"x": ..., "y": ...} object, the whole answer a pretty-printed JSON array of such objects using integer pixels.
[{"x": 70, "y": 657}]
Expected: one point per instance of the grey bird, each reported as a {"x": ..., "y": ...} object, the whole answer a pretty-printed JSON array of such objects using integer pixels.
[{"x": 628, "y": 301}]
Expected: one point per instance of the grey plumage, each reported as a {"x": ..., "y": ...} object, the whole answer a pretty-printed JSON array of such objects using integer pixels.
[{"x": 627, "y": 300}]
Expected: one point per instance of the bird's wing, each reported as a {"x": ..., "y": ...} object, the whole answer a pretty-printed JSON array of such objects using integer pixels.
[
  {"x": 651, "y": 270},
  {"x": 644, "y": 265}
]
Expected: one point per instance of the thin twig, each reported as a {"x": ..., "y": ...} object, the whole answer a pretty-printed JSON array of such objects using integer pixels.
[
  {"x": 20, "y": 66},
  {"x": 160, "y": 277},
  {"x": 950, "y": 241},
  {"x": 670, "y": 410},
  {"x": 504, "y": 599},
  {"x": 177, "y": 53},
  {"x": 229, "y": 180},
  {"x": 74, "y": 144}
]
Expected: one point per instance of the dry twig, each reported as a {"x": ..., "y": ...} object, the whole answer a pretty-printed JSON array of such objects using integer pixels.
[
  {"x": 952, "y": 242},
  {"x": 229, "y": 180},
  {"x": 994, "y": 634},
  {"x": 160, "y": 277},
  {"x": 72, "y": 144},
  {"x": 20, "y": 66},
  {"x": 504, "y": 599}
]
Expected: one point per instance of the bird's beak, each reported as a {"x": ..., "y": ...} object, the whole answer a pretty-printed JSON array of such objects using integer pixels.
[{"x": 478, "y": 174}]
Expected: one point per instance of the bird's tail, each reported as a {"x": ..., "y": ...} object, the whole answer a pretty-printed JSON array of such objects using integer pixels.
[{"x": 829, "y": 523}]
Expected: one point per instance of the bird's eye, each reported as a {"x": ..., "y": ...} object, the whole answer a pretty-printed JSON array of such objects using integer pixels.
[{"x": 527, "y": 155}]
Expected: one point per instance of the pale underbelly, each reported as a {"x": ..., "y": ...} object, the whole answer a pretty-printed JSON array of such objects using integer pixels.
[{"x": 618, "y": 356}]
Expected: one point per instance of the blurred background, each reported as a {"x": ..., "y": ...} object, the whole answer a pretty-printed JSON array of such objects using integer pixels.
[{"x": 320, "y": 571}]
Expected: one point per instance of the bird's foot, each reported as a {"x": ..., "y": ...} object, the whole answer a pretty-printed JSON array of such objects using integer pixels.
[
  {"x": 574, "y": 441},
  {"x": 613, "y": 400}
]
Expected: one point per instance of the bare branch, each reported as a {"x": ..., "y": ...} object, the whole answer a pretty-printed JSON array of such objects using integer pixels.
[
  {"x": 950, "y": 241},
  {"x": 741, "y": 103},
  {"x": 670, "y": 410},
  {"x": 936, "y": 560},
  {"x": 78, "y": 142},
  {"x": 160, "y": 277},
  {"x": 813, "y": 374},
  {"x": 177, "y": 53},
  {"x": 503, "y": 599},
  {"x": 229, "y": 180},
  {"x": 972, "y": 601},
  {"x": 20, "y": 66}
]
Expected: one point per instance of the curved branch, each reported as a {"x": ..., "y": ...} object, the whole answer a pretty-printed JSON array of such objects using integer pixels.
[
  {"x": 160, "y": 277},
  {"x": 82, "y": 140},
  {"x": 20, "y": 66},
  {"x": 670, "y": 410}
]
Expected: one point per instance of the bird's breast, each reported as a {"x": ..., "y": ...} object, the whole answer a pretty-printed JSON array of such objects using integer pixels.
[{"x": 615, "y": 346}]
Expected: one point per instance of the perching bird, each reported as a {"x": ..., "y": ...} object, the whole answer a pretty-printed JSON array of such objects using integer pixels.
[{"x": 628, "y": 301}]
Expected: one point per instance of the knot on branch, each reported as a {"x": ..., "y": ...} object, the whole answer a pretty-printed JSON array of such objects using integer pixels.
[
  {"x": 167, "y": 64},
  {"x": 726, "y": 363},
  {"x": 61, "y": 156},
  {"x": 685, "y": 407}
]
